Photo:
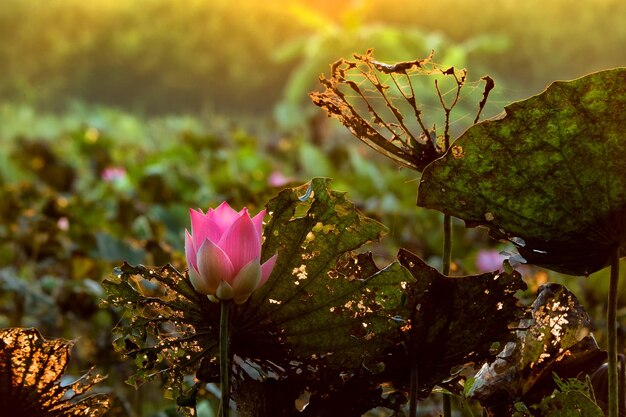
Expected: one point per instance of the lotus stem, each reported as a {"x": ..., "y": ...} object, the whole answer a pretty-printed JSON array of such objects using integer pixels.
[
  {"x": 447, "y": 405},
  {"x": 447, "y": 244},
  {"x": 413, "y": 393},
  {"x": 612, "y": 327},
  {"x": 446, "y": 261},
  {"x": 225, "y": 357}
]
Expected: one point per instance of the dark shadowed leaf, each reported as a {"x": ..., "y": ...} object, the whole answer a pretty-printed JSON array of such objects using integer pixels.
[
  {"x": 456, "y": 320},
  {"x": 170, "y": 327},
  {"x": 599, "y": 380},
  {"x": 555, "y": 340},
  {"x": 549, "y": 174},
  {"x": 30, "y": 379}
]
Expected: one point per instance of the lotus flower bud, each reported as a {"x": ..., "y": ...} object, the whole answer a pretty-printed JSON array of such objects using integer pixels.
[{"x": 223, "y": 253}]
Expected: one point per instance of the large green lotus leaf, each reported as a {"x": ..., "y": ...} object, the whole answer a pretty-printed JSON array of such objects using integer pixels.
[
  {"x": 323, "y": 314},
  {"x": 549, "y": 174},
  {"x": 324, "y": 299}
]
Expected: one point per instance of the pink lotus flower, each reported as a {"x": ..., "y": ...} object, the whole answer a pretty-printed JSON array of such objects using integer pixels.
[
  {"x": 224, "y": 253},
  {"x": 489, "y": 260},
  {"x": 278, "y": 179},
  {"x": 112, "y": 174}
]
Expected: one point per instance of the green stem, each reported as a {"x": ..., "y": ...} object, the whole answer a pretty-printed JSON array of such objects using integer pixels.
[
  {"x": 446, "y": 261},
  {"x": 225, "y": 357},
  {"x": 612, "y": 325}
]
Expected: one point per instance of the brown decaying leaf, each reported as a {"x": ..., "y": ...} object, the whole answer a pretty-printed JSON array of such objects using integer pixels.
[
  {"x": 382, "y": 110},
  {"x": 30, "y": 372},
  {"x": 554, "y": 340}
]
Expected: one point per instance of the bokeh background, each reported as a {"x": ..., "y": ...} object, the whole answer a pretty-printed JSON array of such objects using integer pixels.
[{"x": 116, "y": 116}]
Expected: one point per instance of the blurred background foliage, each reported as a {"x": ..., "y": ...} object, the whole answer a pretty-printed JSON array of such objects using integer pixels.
[
  {"x": 158, "y": 56},
  {"x": 117, "y": 116}
]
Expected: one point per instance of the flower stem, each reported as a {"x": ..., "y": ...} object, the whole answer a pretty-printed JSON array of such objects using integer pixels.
[
  {"x": 225, "y": 357},
  {"x": 612, "y": 327},
  {"x": 413, "y": 393},
  {"x": 446, "y": 261},
  {"x": 447, "y": 244}
]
